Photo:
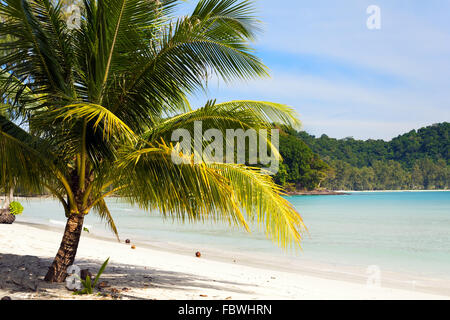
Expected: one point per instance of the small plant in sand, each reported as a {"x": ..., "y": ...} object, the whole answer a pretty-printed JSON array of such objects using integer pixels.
[
  {"x": 88, "y": 284},
  {"x": 15, "y": 208}
]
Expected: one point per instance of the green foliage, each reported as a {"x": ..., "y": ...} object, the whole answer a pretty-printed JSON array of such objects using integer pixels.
[
  {"x": 432, "y": 142},
  {"x": 301, "y": 169},
  {"x": 88, "y": 285},
  {"x": 15, "y": 208},
  {"x": 416, "y": 160}
]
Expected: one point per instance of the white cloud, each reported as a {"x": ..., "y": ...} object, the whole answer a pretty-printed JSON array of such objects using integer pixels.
[
  {"x": 344, "y": 108},
  {"x": 410, "y": 53},
  {"x": 407, "y": 45}
]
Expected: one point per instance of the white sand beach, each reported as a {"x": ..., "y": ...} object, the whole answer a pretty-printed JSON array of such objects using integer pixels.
[{"x": 144, "y": 273}]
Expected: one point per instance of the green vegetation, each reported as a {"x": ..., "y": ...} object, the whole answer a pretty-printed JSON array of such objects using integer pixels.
[
  {"x": 15, "y": 208},
  {"x": 416, "y": 160},
  {"x": 427, "y": 143},
  {"x": 301, "y": 168},
  {"x": 91, "y": 111},
  {"x": 88, "y": 285}
]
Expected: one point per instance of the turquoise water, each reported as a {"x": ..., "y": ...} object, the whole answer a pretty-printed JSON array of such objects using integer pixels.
[{"x": 399, "y": 231}]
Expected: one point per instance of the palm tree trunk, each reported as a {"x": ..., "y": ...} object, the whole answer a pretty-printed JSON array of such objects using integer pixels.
[
  {"x": 8, "y": 199},
  {"x": 68, "y": 249},
  {"x": 11, "y": 195}
]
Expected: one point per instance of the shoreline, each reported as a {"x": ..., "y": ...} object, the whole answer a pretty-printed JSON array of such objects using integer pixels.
[
  {"x": 349, "y": 192},
  {"x": 288, "y": 193},
  {"x": 311, "y": 280},
  {"x": 317, "y": 193},
  {"x": 354, "y": 191}
]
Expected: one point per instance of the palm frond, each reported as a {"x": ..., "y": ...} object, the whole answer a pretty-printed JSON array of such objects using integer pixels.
[
  {"x": 237, "y": 16},
  {"x": 187, "y": 191},
  {"x": 267, "y": 111},
  {"x": 100, "y": 117},
  {"x": 216, "y": 191},
  {"x": 101, "y": 209},
  {"x": 38, "y": 49},
  {"x": 244, "y": 114},
  {"x": 179, "y": 60},
  {"x": 24, "y": 159},
  {"x": 261, "y": 199}
]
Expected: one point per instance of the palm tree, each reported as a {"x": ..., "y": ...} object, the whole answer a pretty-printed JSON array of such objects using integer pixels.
[{"x": 97, "y": 105}]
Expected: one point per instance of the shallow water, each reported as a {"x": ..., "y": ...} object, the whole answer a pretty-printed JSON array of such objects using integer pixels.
[{"x": 398, "y": 231}]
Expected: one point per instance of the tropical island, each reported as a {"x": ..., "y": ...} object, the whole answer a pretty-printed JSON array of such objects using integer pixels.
[{"x": 417, "y": 160}]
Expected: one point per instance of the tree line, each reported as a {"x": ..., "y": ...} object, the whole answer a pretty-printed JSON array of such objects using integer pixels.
[{"x": 415, "y": 160}]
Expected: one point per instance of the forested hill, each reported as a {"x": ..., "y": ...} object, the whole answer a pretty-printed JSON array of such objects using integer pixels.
[
  {"x": 426, "y": 143},
  {"x": 415, "y": 160}
]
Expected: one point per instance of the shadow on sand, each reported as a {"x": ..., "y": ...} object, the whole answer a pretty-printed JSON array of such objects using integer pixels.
[{"x": 22, "y": 276}]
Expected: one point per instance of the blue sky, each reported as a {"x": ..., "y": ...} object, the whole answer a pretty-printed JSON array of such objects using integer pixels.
[{"x": 346, "y": 80}]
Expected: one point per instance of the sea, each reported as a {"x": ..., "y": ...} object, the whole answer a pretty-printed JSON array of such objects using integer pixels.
[{"x": 403, "y": 232}]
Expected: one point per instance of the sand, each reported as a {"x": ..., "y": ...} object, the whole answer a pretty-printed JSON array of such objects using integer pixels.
[{"x": 26, "y": 251}]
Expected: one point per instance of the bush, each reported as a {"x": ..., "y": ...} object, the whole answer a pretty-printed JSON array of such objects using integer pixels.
[{"x": 15, "y": 208}]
